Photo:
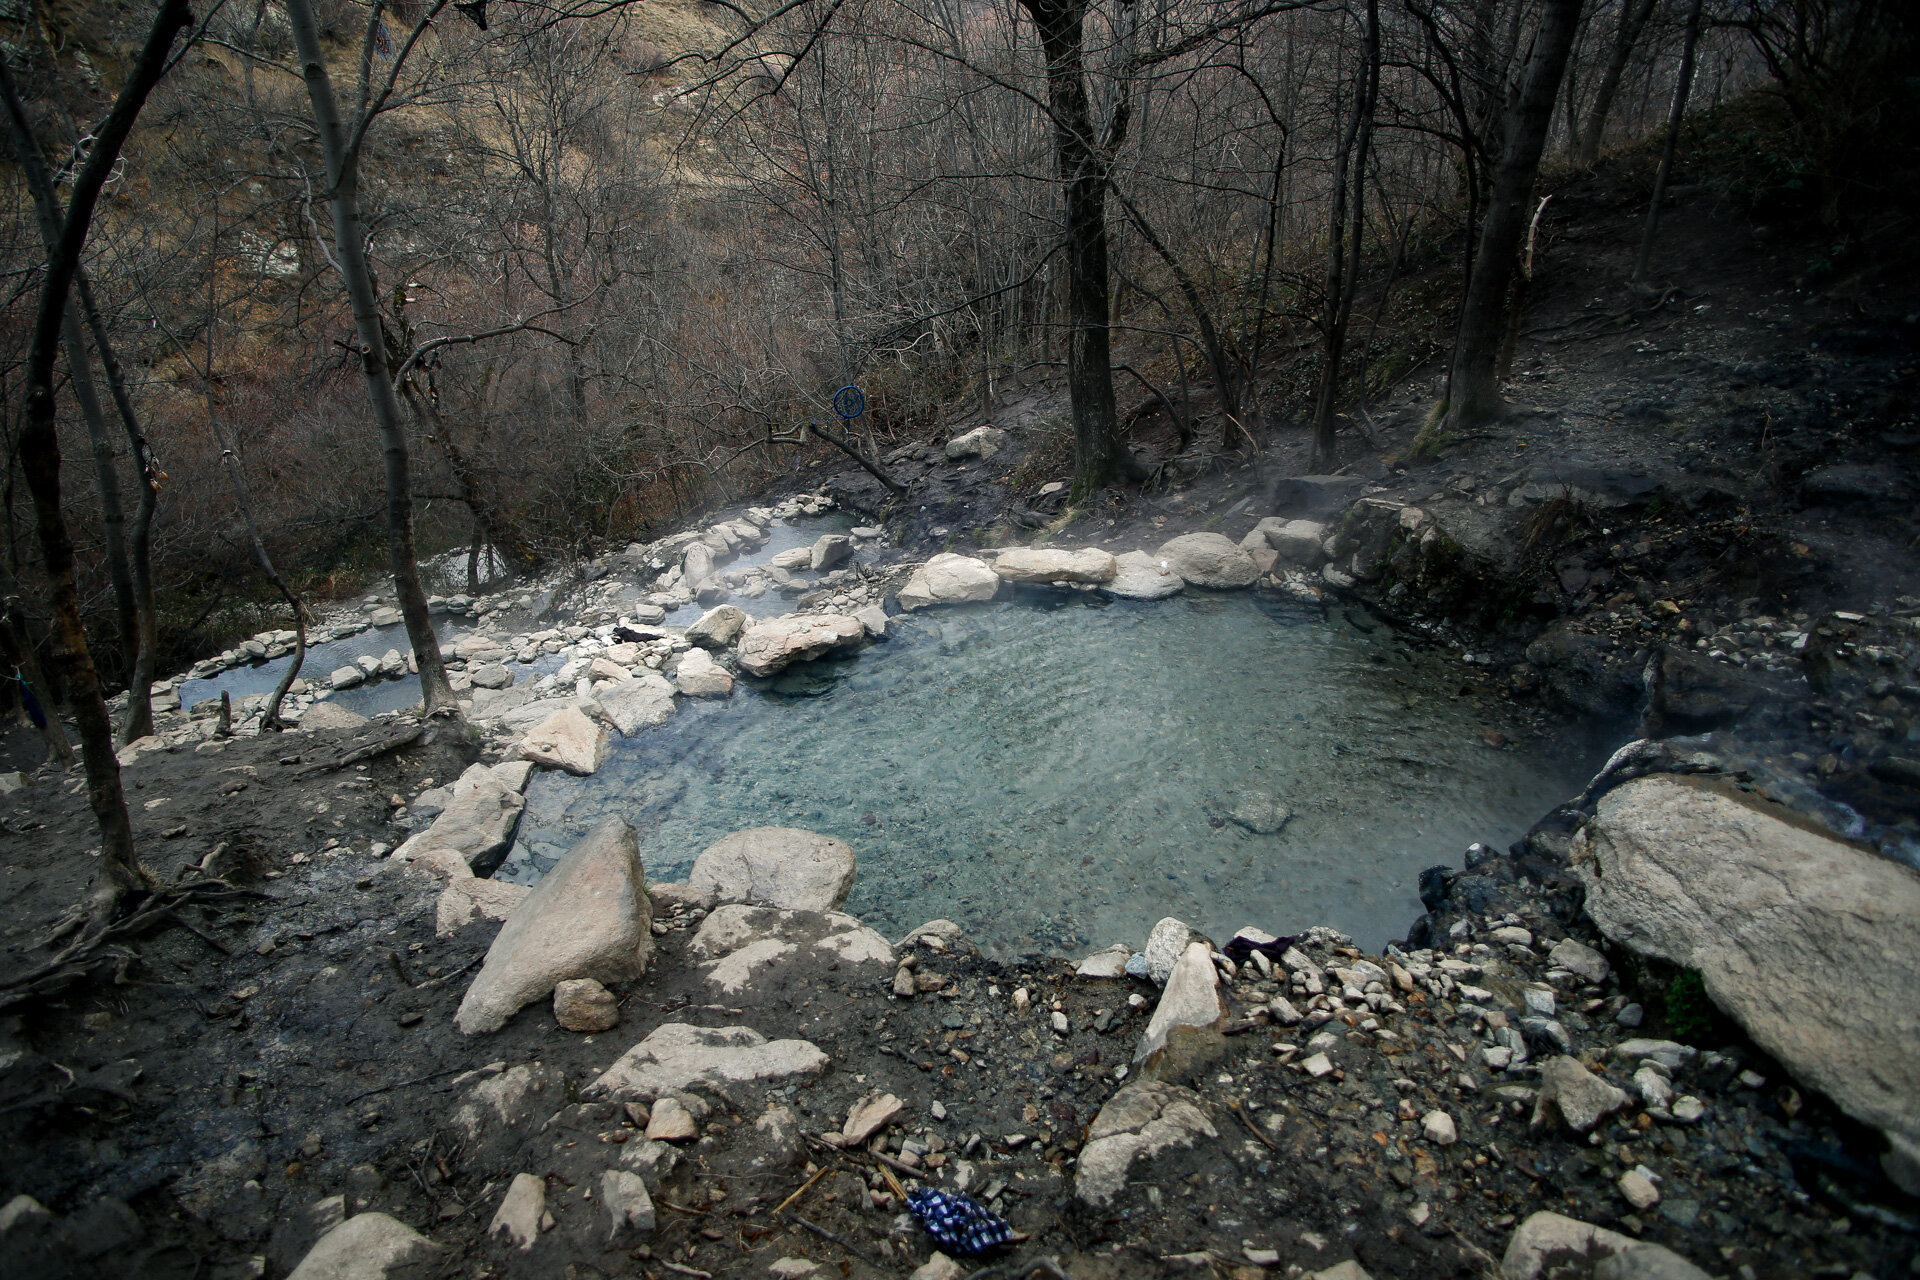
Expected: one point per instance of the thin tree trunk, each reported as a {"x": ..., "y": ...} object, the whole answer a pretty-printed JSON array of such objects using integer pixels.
[
  {"x": 1674, "y": 117},
  {"x": 1633, "y": 17},
  {"x": 350, "y": 249},
  {"x": 1224, "y": 383},
  {"x": 1344, "y": 239},
  {"x": 1099, "y": 454},
  {"x": 113, "y": 522},
  {"x": 1473, "y": 386},
  {"x": 39, "y": 451},
  {"x": 139, "y": 719}
]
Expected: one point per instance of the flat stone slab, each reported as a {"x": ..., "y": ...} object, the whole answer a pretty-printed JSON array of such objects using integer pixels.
[
  {"x": 369, "y": 1246},
  {"x": 1045, "y": 564},
  {"x": 676, "y": 1056},
  {"x": 772, "y": 644},
  {"x": 1143, "y": 1119}
]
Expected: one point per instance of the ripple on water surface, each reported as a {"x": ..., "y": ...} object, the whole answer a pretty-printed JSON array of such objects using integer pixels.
[{"x": 1058, "y": 775}]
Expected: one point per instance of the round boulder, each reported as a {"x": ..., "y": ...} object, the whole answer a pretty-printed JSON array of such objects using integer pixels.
[{"x": 1209, "y": 560}]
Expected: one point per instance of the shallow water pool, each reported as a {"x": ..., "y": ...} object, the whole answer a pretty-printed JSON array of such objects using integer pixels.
[{"x": 1057, "y": 774}]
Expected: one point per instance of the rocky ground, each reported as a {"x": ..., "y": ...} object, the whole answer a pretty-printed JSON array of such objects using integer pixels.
[{"x": 1700, "y": 516}]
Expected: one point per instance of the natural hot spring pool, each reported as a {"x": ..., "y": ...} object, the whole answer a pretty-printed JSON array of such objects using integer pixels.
[{"x": 1057, "y": 774}]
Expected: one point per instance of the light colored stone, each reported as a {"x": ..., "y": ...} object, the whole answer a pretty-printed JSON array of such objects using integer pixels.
[
  {"x": 1165, "y": 945},
  {"x": 718, "y": 627},
  {"x": 792, "y": 558},
  {"x": 478, "y": 821},
  {"x": 512, "y": 774},
  {"x": 1581, "y": 1098},
  {"x": 828, "y": 550},
  {"x": 641, "y": 703},
  {"x": 582, "y": 1004},
  {"x": 981, "y": 442},
  {"x": 624, "y": 1196},
  {"x": 1579, "y": 959},
  {"x": 467, "y": 899},
  {"x": 1140, "y": 576},
  {"x": 1209, "y": 560},
  {"x": 938, "y": 1267},
  {"x": 520, "y": 1211},
  {"x": 1301, "y": 542},
  {"x": 1781, "y": 922},
  {"x": 1111, "y": 963},
  {"x": 670, "y": 1121},
  {"x": 949, "y": 579},
  {"x": 869, "y": 1116},
  {"x": 23, "y": 1211},
  {"x": 1648, "y": 1262},
  {"x": 589, "y": 917},
  {"x": 1549, "y": 1237},
  {"x": 776, "y": 867},
  {"x": 1143, "y": 1119},
  {"x": 874, "y": 619},
  {"x": 675, "y": 1056},
  {"x": 1191, "y": 999},
  {"x": 1639, "y": 1190},
  {"x": 566, "y": 740},
  {"x": 772, "y": 644},
  {"x": 1438, "y": 1128},
  {"x": 368, "y": 1246},
  {"x": 699, "y": 676},
  {"x": 1048, "y": 564},
  {"x": 326, "y": 715},
  {"x": 696, "y": 566},
  {"x": 347, "y": 677},
  {"x": 1317, "y": 1065},
  {"x": 792, "y": 1268},
  {"x": 490, "y": 675},
  {"x": 1348, "y": 1270}
]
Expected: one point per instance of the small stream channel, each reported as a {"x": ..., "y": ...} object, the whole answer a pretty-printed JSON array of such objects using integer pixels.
[{"x": 1056, "y": 774}]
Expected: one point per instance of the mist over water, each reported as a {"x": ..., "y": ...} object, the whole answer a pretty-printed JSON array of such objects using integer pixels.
[{"x": 1057, "y": 774}]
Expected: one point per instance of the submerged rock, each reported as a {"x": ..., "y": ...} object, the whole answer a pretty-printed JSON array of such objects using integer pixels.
[
  {"x": 1781, "y": 922},
  {"x": 325, "y": 715},
  {"x": 949, "y": 579},
  {"x": 590, "y": 917},
  {"x": 776, "y": 867}
]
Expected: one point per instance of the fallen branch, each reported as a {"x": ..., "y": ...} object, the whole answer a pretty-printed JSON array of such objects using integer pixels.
[
  {"x": 825, "y": 1234},
  {"x": 368, "y": 752}
]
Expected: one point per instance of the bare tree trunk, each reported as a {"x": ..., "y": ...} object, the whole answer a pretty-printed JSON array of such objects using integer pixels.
[
  {"x": 1344, "y": 237},
  {"x": 1473, "y": 386},
  {"x": 1099, "y": 454},
  {"x": 1633, "y": 17},
  {"x": 343, "y": 180},
  {"x": 39, "y": 450},
  {"x": 113, "y": 522},
  {"x": 139, "y": 719},
  {"x": 1225, "y": 385},
  {"x": 1674, "y": 117}
]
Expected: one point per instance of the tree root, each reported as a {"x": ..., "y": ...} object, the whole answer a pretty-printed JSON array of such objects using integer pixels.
[{"x": 104, "y": 940}]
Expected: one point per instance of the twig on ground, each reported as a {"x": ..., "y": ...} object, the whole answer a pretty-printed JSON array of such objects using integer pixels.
[
  {"x": 825, "y": 1234},
  {"x": 820, "y": 1173}
]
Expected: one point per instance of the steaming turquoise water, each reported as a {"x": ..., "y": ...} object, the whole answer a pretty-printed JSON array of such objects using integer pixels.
[{"x": 1054, "y": 773}]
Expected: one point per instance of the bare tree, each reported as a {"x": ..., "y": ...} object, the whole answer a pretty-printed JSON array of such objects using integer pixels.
[{"x": 39, "y": 446}]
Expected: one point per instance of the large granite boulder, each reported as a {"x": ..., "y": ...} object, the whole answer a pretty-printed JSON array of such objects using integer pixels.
[
  {"x": 775, "y": 643},
  {"x": 477, "y": 822},
  {"x": 1810, "y": 944},
  {"x": 637, "y": 704},
  {"x": 590, "y": 917},
  {"x": 781, "y": 867},
  {"x": 1191, "y": 999},
  {"x": 718, "y": 627},
  {"x": 1209, "y": 560},
  {"x": 1139, "y": 576},
  {"x": 1047, "y": 564},
  {"x": 568, "y": 740},
  {"x": 949, "y": 579}
]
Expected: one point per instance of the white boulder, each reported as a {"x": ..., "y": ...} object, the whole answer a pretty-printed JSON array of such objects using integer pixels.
[
  {"x": 949, "y": 579},
  {"x": 776, "y": 867}
]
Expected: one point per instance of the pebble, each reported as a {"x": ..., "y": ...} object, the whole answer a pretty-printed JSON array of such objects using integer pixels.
[
  {"x": 1637, "y": 1186},
  {"x": 671, "y": 1122},
  {"x": 1439, "y": 1128},
  {"x": 1317, "y": 1066}
]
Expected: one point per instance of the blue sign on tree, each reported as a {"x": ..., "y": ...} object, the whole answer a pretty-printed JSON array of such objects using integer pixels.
[{"x": 849, "y": 402}]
